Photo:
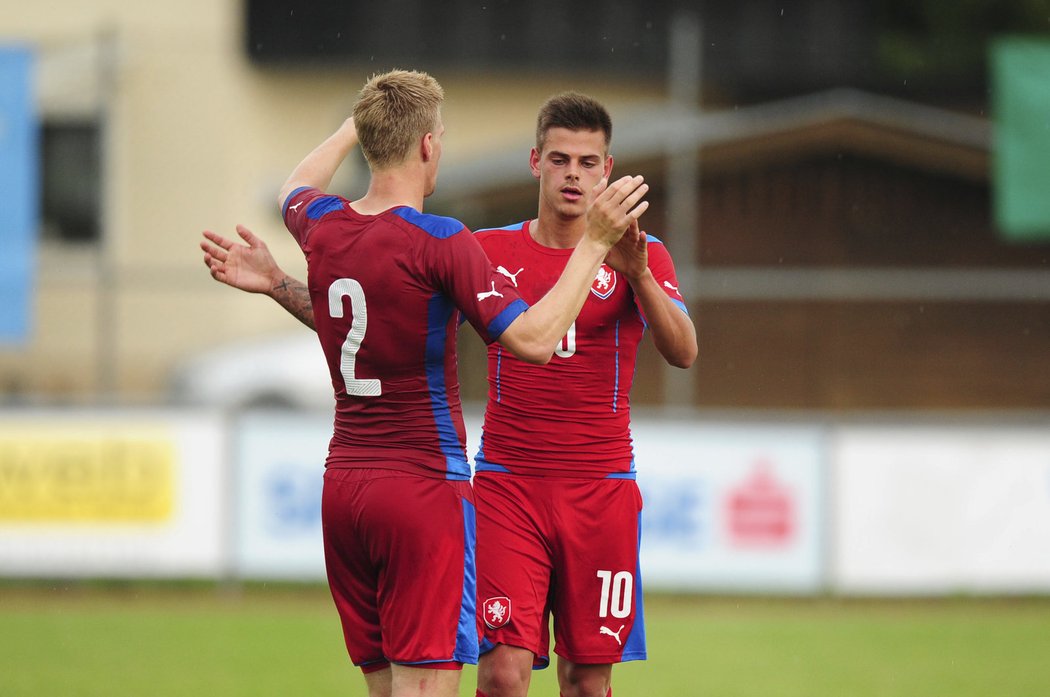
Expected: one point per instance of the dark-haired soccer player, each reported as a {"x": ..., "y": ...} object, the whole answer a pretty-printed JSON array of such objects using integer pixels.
[
  {"x": 558, "y": 506},
  {"x": 387, "y": 283}
]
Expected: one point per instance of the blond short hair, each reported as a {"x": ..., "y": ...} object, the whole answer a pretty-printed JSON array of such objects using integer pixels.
[{"x": 393, "y": 111}]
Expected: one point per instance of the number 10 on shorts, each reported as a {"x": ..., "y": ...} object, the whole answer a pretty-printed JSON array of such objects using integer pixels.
[{"x": 617, "y": 592}]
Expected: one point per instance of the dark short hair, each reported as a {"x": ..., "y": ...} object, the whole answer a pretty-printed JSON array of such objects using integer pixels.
[{"x": 574, "y": 111}]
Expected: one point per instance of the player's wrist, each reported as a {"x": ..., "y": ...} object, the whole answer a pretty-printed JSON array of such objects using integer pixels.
[
  {"x": 279, "y": 283},
  {"x": 596, "y": 242},
  {"x": 640, "y": 277}
]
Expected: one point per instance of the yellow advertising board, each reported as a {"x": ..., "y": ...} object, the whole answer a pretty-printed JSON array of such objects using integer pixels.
[{"x": 55, "y": 474}]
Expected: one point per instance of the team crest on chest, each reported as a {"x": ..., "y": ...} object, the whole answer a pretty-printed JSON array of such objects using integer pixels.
[
  {"x": 497, "y": 612},
  {"x": 604, "y": 283}
]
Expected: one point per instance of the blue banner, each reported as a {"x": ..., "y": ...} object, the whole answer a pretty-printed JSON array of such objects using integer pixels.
[{"x": 19, "y": 199}]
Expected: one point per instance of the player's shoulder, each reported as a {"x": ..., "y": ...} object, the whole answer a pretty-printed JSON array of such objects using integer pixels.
[
  {"x": 439, "y": 226},
  {"x": 506, "y": 230},
  {"x": 317, "y": 203}
]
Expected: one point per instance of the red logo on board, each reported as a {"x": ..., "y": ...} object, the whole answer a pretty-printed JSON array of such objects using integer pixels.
[
  {"x": 761, "y": 510},
  {"x": 497, "y": 611}
]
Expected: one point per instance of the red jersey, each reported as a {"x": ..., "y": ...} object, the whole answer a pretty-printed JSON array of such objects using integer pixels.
[
  {"x": 572, "y": 416},
  {"x": 385, "y": 290}
]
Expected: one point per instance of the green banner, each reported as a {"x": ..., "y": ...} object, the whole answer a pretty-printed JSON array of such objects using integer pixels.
[{"x": 1021, "y": 169}]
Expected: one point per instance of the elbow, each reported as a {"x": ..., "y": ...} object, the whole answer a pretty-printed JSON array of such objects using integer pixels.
[
  {"x": 526, "y": 345},
  {"x": 683, "y": 362},
  {"x": 682, "y": 358},
  {"x": 535, "y": 354}
]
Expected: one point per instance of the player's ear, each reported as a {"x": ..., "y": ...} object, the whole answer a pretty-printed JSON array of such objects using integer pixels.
[
  {"x": 534, "y": 163},
  {"x": 608, "y": 166},
  {"x": 426, "y": 147}
]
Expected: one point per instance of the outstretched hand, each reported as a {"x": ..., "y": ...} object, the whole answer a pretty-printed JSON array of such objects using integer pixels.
[
  {"x": 249, "y": 267},
  {"x": 630, "y": 255},
  {"x": 615, "y": 207}
]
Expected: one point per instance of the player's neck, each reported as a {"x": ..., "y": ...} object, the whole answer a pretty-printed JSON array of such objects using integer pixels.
[
  {"x": 390, "y": 189},
  {"x": 556, "y": 232}
]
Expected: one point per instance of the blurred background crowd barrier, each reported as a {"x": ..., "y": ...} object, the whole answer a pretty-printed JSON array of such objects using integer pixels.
[
  {"x": 854, "y": 193},
  {"x": 933, "y": 506}
]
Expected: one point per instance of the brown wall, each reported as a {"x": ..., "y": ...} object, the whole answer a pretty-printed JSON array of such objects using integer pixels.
[{"x": 833, "y": 210}]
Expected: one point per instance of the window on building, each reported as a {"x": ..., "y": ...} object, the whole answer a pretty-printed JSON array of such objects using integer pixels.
[{"x": 70, "y": 181}]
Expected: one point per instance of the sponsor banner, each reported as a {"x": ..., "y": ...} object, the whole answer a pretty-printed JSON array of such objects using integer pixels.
[
  {"x": 731, "y": 508},
  {"x": 116, "y": 494},
  {"x": 280, "y": 469},
  {"x": 941, "y": 509}
]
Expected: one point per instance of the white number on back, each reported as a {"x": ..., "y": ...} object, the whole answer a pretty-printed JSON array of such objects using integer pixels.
[{"x": 348, "y": 287}]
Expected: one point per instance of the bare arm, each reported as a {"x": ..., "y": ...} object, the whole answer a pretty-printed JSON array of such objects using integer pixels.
[
  {"x": 250, "y": 267},
  {"x": 673, "y": 332},
  {"x": 317, "y": 169},
  {"x": 535, "y": 333}
]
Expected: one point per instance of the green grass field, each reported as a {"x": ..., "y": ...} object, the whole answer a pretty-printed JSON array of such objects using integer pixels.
[{"x": 138, "y": 639}]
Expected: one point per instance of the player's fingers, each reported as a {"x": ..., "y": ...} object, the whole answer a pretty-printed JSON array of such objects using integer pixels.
[
  {"x": 216, "y": 253},
  {"x": 622, "y": 187},
  {"x": 635, "y": 196},
  {"x": 636, "y": 213},
  {"x": 601, "y": 186},
  {"x": 248, "y": 236},
  {"x": 218, "y": 239},
  {"x": 613, "y": 192}
]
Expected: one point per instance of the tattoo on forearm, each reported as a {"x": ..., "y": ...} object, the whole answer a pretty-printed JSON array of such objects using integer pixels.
[{"x": 294, "y": 297}]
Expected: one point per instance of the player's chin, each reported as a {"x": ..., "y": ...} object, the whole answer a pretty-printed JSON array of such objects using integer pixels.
[{"x": 573, "y": 209}]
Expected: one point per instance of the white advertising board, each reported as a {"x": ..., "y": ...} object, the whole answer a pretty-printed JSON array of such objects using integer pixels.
[
  {"x": 111, "y": 494},
  {"x": 941, "y": 509},
  {"x": 731, "y": 507},
  {"x": 280, "y": 473}
]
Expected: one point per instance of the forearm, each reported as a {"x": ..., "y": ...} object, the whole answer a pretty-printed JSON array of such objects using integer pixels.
[
  {"x": 535, "y": 334},
  {"x": 294, "y": 296},
  {"x": 673, "y": 332},
  {"x": 317, "y": 169}
]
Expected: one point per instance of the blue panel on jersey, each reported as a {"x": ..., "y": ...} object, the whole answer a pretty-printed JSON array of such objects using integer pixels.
[
  {"x": 634, "y": 646},
  {"x": 650, "y": 238},
  {"x": 434, "y": 225},
  {"x": 284, "y": 208},
  {"x": 483, "y": 465},
  {"x": 503, "y": 319},
  {"x": 467, "y": 632},
  {"x": 322, "y": 206},
  {"x": 616, "y": 362},
  {"x": 439, "y": 310},
  {"x": 515, "y": 226}
]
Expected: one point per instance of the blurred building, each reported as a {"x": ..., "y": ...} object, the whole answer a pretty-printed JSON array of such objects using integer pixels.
[{"x": 836, "y": 246}]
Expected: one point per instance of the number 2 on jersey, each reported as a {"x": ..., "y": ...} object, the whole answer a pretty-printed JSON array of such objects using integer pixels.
[{"x": 348, "y": 287}]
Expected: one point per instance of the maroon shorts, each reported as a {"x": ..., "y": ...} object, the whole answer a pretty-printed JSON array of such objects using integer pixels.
[
  {"x": 567, "y": 547},
  {"x": 399, "y": 549}
]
